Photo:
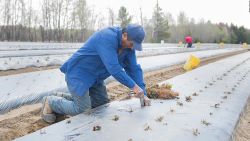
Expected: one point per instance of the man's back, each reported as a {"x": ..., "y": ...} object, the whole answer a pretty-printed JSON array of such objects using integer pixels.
[
  {"x": 103, "y": 37},
  {"x": 87, "y": 66}
]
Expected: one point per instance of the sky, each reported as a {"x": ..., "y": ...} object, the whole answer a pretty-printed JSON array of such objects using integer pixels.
[{"x": 226, "y": 11}]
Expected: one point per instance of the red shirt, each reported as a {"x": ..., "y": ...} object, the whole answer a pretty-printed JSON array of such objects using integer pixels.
[{"x": 188, "y": 39}]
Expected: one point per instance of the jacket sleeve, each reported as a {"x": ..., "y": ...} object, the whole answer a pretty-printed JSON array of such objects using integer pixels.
[
  {"x": 134, "y": 71},
  {"x": 107, "y": 50}
]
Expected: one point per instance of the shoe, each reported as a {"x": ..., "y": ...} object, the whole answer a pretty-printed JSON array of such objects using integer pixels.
[{"x": 47, "y": 117}]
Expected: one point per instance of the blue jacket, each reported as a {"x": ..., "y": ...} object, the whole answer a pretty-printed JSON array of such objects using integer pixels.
[{"x": 98, "y": 59}]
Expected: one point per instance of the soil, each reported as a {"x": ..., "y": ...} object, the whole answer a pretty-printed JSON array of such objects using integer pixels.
[
  {"x": 26, "y": 119},
  {"x": 25, "y": 70},
  {"x": 242, "y": 132}
]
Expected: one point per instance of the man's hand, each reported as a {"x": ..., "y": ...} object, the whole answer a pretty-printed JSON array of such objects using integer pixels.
[
  {"x": 147, "y": 101},
  {"x": 138, "y": 91}
]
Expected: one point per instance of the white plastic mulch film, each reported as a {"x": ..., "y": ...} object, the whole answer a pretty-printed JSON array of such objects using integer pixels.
[
  {"x": 15, "y": 56},
  {"x": 28, "y": 88}
]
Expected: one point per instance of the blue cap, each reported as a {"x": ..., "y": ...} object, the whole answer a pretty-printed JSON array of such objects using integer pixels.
[{"x": 136, "y": 34}]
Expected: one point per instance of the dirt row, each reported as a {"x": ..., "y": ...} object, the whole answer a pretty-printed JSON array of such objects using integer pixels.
[
  {"x": 25, "y": 70},
  {"x": 242, "y": 132},
  {"x": 26, "y": 119}
]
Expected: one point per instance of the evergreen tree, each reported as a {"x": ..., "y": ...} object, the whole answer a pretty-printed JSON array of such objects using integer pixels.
[
  {"x": 160, "y": 25},
  {"x": 124, "y": 17}
]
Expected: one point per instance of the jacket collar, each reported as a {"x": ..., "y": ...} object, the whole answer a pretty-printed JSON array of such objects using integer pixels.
[{"x": 119, "y": 38}]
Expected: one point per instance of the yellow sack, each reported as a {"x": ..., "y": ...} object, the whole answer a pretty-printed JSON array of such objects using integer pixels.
[
  {"x": 244, "y": 45},
  {"x": 191, "y": 63},
  {"x": 221, "y": 44}
]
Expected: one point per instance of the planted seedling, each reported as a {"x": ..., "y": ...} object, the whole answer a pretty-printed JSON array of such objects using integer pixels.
[
  {"x": 227, "y": 92},
  {"x": 188, "y": 98},
  {"x": 42, "y": 131},
  {"x": 172, "y": 110},
  {"x": 195, "y": 94},
  {"x": 130, "y": 110},
  {"x": 147, "y": 127},
  {"x": 224, "y": 97},
  {"x": 165, "y": 123},
  {"x": 97, "y": 128},
  {"x": 68, "y": 121},
  {"x": 196, "y": 132},
  {"x": 205, "y": 122},
  {"x": 159, "y": 119},
  {"x": 115, "y": 118},
  {"x": 210, "y": 113},
  {"x": 130, "y": 139},
  {"x": 217, "y": 105},
  {"x": 179, "y": 103}
]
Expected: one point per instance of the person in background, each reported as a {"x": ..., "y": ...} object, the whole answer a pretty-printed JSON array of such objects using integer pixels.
[{"x": 189, "y": 41}]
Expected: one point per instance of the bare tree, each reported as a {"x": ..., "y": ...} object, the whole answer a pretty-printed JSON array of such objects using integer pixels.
[
  {"x": 141, "y": 18},
  {"x": 46, "y": 20},
  {"x": 100, "y": 21},
  {"x": 7, "y": 18},
  {"x": 82, "y": 14},
  {"x": 30, "y": 11},
  {"x": 111, "y": 17},
  {"x": 66, "y": 18},
  {"x": 92, "y": 19}
]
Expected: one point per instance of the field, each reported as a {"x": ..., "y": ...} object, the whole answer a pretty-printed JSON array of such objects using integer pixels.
[{"x": 29, "y": 71}]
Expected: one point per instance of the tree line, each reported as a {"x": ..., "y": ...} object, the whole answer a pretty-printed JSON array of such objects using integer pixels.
[{"x": 75, "y": 21}]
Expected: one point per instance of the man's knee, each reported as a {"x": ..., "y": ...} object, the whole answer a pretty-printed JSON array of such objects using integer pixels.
[
  {"x": 95, "y": 103},
  {"x": 80, "y": 109},
  {"x": 53, "y": 100},
  {"x": 81, "y": 103}
]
